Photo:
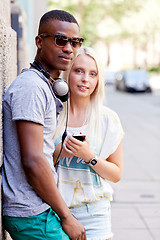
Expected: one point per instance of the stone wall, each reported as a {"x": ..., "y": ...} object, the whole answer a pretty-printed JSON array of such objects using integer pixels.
[
  {"x": 14, "y": 49},
  {"x": 8, "y": 64}
]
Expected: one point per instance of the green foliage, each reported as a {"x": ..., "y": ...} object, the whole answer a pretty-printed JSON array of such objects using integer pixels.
[
  {"x": 154, "y": 69},
  {"x": 111, "y": 19}
]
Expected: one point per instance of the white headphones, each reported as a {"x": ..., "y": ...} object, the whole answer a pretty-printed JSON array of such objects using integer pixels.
[{"x": 59, "y": 86}]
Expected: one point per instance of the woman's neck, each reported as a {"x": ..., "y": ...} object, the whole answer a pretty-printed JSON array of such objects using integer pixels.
[{"x": 77, "y": 114}]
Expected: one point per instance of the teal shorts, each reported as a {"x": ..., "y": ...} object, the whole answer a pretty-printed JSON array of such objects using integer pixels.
[{"x": 46, "y": 225}]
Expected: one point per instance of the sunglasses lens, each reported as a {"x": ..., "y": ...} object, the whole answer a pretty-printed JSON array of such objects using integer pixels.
[
  {"x": 75, "y": 43},
  {"x": 61, "y": 41}
]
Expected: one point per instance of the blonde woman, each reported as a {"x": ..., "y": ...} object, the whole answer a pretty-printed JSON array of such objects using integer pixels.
[{"x": 96, "y": 161}]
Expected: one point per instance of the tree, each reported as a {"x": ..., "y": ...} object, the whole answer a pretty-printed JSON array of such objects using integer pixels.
[
  {"x": 93, "y": 13},
  {"x": 112, "y": 20}
]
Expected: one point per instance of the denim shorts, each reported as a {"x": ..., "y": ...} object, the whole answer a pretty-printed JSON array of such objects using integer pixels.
[
  {"x": 96, "y": 218},
  {"x": 43, "y": 226}
]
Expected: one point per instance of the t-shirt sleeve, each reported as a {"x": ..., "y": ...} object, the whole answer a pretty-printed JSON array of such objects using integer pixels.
[
  {"x": 28, "y": 104},
  {"x": 112, "y": 135}
]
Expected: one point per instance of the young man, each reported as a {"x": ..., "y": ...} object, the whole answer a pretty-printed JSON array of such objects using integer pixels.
[{"x": 32, "y": 206}]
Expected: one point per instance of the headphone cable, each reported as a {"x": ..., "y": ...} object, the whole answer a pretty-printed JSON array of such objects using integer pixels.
[{"x": 64, "y": 135}]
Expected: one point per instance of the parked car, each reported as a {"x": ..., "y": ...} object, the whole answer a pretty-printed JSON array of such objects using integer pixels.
[
  {"x": 109, "y": 77},
  {"x": 133, "y": 81}
]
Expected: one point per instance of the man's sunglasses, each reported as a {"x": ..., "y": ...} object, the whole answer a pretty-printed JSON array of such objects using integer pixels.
[{"x": 61, "y": 40}]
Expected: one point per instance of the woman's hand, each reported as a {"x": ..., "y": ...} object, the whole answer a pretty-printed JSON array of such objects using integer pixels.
[
  {"x": 110, "y": 169},
  {"x": 64, "y": 152},
  {"x": 78, "y": 148}
]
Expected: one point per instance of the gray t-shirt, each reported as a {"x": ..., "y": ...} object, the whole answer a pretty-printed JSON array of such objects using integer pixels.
[{"x": 29, "y": 98}]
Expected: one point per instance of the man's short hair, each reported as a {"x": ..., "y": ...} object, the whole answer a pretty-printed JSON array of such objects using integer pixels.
[{"x": 60, "y": 15}]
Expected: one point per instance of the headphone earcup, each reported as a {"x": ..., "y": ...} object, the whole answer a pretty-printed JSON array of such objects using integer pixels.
[
  {"x": 61, "y": 89},
  {"x": 59, "y": 86}
]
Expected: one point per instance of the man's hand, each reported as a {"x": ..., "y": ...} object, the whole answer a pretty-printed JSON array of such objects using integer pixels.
[{"x": 73, "y": 228}]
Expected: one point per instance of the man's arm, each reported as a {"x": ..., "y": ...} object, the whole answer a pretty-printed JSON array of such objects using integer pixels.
[{"x": 40, "y": 176}]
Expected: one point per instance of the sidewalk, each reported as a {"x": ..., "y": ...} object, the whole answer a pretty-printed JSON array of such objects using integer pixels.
[
  {"x": 136, "y": 204},
  {"x": 136, "y": 213}
]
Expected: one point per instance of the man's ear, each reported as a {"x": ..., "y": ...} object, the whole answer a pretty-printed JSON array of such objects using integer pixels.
[{"x": 38, "y": 41}]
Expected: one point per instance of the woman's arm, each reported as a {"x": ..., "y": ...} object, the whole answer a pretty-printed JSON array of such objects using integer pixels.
[{"x": 110, "y": 169}]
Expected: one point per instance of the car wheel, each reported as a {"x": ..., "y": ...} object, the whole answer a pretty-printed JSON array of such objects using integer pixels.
[{"x": 148, "y": 90}]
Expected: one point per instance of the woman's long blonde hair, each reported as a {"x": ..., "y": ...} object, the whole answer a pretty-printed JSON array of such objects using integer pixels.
[{"x": 93, "y": 113}]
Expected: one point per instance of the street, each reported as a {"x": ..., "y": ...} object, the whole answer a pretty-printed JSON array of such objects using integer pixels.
[{"x": 136, "y": 205}]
